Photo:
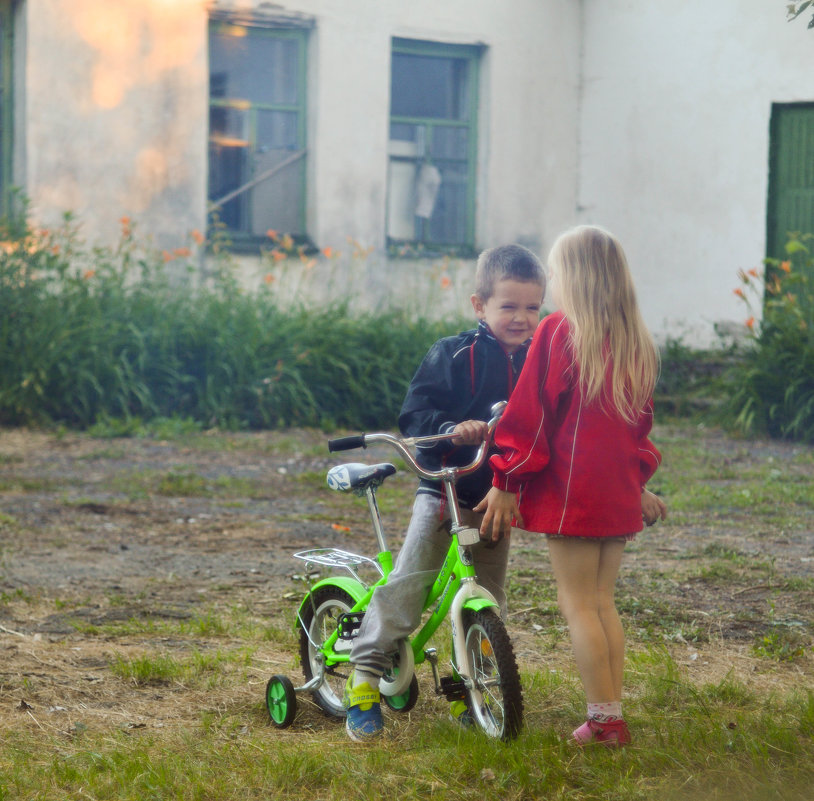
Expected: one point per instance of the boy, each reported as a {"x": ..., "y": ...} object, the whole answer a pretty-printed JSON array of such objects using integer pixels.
[{"x": 457, "y": 383}]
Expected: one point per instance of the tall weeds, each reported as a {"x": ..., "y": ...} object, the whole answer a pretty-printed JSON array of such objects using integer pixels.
[
  {"x": 130, "y": 332},
  {"x": 772, "y": 385}
]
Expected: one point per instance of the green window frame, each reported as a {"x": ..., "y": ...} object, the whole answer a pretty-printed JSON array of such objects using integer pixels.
[
  {"x": 6, "y": 107},
  {"x": 791, "y": 175},
  {"x": 257, "y": 131},
  {"x": 433, "y": 147}
]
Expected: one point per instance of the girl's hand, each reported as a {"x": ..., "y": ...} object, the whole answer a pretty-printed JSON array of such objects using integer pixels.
[
  {"x": 499, "y": 510},
  {"x": 653, "y": 508},
  {"x": 470, "y": 432}
]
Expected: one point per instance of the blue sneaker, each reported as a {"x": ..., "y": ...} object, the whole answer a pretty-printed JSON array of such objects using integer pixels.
[{"x": 363, "y": 703}]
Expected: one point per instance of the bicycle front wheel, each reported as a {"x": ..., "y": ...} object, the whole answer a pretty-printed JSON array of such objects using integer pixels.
[{"x": 495, "y": 698}]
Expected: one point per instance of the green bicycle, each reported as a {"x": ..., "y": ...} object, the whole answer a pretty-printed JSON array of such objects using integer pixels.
[{"x": 484, "y": 668}]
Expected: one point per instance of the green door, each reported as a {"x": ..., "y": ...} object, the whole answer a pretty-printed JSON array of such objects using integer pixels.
[{"x": 791, "y": 175}]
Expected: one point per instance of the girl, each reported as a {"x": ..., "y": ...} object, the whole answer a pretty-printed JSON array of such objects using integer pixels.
[{"x": 574, "y": 449}]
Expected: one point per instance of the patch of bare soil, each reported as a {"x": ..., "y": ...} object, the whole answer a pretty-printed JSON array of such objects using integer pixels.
[{"x": 95, "y": 533}]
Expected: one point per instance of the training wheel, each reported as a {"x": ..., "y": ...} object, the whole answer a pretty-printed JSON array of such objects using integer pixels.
[
  {"x": 405, "y": 701},
  {"x": 281, "y": 701}
]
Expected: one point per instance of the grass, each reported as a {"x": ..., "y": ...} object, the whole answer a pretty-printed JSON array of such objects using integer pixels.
[
  {"x": 168, "y": 702},
  {"x": 719, "y": 741}
]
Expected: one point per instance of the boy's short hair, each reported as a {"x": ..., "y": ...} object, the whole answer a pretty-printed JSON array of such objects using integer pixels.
[{"x": 506, "y": 261}]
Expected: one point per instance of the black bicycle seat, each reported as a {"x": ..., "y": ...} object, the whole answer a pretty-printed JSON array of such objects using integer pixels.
[{"x": 355, "y": 476}]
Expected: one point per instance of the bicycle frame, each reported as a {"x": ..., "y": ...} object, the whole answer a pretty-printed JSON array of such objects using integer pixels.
[
  {"x": 456, "y": 578},
  {"x": 485, "y": 673},
  {"x": 456, "y": 586}
]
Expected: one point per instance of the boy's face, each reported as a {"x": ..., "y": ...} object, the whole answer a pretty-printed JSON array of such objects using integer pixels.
[{"x": 512, "y": 312}]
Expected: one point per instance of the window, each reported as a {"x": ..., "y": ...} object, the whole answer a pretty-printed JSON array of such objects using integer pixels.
[
  {"x": 257, "y": 130},
  {"x": 5, "y": 105},
  {"x": 791, "y": 174},
  {"x": 433, "y": 145}
]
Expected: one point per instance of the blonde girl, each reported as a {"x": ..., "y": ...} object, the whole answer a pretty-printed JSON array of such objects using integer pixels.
[{"x": 574, "y": 455}]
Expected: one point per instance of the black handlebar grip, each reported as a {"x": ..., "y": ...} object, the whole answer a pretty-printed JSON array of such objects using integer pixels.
[{"x": 347, "y": 443}]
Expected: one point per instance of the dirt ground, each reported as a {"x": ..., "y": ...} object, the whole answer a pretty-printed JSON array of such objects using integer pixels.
[{"x": 89, "y": 538}]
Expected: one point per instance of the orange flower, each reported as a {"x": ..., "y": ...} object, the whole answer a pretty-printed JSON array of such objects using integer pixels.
[
  {"x": 271, "y": 234},
  {"x": 197, "y": 236},
  {"x": 167, "y": 256},
  {"x": 310, "y": 264},
  {"x": 327, "y": 252},
  {"x": 269, "y": 278},
  {"x": 125, "y": 221},
  {"x": 277, "y": 255},
  {"x": 446, "y": 283},
  {"x": 182, "y": 252},
  {"x": 750, "y": 323},
  {"x": 337, "y": 527},
  {"x": 785, "y": 266},
  {"x": 754, "y": 272},
  {"x": 88, "y": 274},
  {"x": 739, "y": 292}
]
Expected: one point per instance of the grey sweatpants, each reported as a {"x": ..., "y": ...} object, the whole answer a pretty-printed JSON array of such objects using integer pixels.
[{"x": 395, "y": 609}]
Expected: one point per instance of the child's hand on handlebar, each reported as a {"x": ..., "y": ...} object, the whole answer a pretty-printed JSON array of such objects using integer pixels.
[
  {"x": 470, "y": 432},
  {"x": 499, "y": 510}
]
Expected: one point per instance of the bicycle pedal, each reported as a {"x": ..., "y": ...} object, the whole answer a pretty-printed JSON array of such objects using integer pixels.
[
  {"x": 348, "y": 624},
  {"x": 453, "y": 689}
]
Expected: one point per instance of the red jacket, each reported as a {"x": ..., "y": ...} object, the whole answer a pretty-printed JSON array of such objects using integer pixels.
[{"x": 579, "y": 470}]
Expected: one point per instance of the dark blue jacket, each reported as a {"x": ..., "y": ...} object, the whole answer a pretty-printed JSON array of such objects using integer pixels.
[{"x": 460, "y": 378}]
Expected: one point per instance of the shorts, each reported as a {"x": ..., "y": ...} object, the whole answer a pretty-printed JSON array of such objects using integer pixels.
[{"x": 620, "y": 538}]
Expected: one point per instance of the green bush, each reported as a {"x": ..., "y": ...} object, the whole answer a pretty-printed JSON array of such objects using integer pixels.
[
  {"x": 690, "y": 379},
  {"x": 772, "y": 384},
  {"x": 93, "y": 334}
]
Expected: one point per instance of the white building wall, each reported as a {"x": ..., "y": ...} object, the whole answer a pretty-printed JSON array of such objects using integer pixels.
[
  {"x": 674, "y": 152},
  {"x": 114, "y": 100},
  {"x": 116, "y": 112},
  {"x": 649, "y": 118},
  {"x": 528, "y": 112}
]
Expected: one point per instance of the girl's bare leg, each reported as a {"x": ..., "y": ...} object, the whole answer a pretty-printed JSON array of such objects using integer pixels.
[
  {"x": 586, "y": 572},
  {"x": 609, "y": 562}
]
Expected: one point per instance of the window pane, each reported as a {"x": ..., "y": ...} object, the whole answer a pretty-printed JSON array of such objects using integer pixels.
[
  {"x": 228, "y": 170},
  {"x": 276, "y": 129},
  {"x": 276, "y": 200},
  {"x": 450, "y": 143},
  {"x": 448, "y": 222},
  {"x": 229, "y": 126},
  {"x": 253, "y": 67},
  {"x": 429, "y": 86},
  {"x": 255, "y": 128}
]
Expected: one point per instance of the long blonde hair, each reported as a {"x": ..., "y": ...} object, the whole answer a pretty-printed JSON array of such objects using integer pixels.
[{"x": 597, "y": 297}]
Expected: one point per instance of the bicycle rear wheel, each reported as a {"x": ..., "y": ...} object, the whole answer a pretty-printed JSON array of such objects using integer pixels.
[
  {"x": 496, "y": 697},
  {"x": 320, "y": 617}
]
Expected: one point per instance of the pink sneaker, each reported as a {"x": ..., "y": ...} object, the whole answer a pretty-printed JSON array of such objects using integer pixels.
[{"x": 614, "y": 733}]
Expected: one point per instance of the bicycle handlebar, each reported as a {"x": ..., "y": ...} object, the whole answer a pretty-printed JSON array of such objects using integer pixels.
[
  {"x": 347, "y": 443},
  {"x": 447, "y": 473}
]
